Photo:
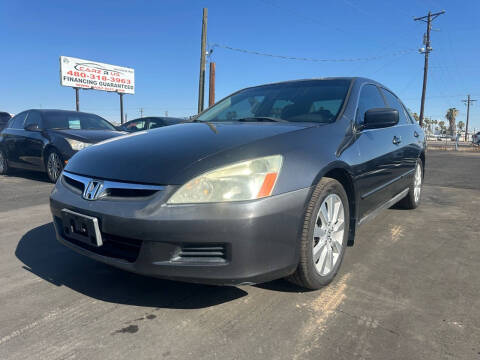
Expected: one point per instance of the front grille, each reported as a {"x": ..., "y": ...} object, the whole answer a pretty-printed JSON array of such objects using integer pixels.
[
  {"x": 116, "y": 247},
  {"x": 209, "y": 253},
  {"x": 109, "y": 188},
  {"x": 74, "y": 183}
]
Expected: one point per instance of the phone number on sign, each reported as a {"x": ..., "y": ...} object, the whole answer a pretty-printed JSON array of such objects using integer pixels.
[{"x": 99, "y": 77}]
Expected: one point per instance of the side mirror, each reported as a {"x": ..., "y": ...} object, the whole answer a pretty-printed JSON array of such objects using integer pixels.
[
  {"x": 380, "y": 118},
  {"x": 33, "y": 127}
]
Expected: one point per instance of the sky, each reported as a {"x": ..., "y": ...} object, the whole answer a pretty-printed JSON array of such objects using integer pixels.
[{"x": 161, "y": 41}]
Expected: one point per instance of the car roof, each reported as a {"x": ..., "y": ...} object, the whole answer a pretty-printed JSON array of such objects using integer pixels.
[
  {"x": 347, "y": 78},
  {"x": 58, "y": 111},
  {"x": 164, "y": 118}
]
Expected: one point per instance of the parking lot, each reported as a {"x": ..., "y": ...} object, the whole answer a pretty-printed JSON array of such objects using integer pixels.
[{"x": 408, "y": 289}]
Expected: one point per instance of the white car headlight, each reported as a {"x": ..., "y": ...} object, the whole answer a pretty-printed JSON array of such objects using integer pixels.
[
  {"x": 246, "y": 180},
  {"x": 77, "y": 145}
]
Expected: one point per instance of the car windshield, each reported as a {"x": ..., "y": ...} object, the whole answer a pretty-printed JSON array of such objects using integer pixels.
[
  {"x": 305, "y": 101},
  {"x": 75, "y": 121}
]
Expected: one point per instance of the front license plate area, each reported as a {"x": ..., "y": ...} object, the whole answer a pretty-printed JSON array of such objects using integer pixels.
[{"x": 81, "y": 228}]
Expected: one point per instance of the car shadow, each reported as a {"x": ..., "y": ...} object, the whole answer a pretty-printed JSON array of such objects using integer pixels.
[
  {"x": 45, "y": 257},
  {"x": 27, "y": 174}
]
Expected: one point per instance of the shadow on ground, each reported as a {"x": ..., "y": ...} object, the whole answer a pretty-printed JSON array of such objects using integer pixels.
[
  {"x": 45, "y": 257},
  {"x": 27, "y": 174}
]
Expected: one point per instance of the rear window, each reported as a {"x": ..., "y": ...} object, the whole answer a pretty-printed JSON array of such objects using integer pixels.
[{"x": 75, "y": 121}]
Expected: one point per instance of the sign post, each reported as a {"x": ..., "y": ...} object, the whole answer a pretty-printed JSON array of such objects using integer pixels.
[
  {"x": 77, "y": 99},
  {"x": 86, "y": 74},
  {"x": 121, "y": 107}
]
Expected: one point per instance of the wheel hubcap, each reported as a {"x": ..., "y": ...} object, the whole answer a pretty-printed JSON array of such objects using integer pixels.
[
  {"x": 328, "y": 234},
  {"x": 54, "y": 166},
  {"x": 417, "y": 185}
]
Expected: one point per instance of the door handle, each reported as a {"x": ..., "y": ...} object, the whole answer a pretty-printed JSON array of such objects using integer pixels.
[
  {"x": 415, "y": 134},
  {"x": 397, "y": 140}
]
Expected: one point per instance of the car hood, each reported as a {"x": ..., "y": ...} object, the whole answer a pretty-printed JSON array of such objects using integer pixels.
[
  {"x": 89, "y": 136},
  {"x": 157, "y": 156}
]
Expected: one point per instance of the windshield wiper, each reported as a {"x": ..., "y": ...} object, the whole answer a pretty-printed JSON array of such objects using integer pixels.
[{"x": 261, "y": 118}]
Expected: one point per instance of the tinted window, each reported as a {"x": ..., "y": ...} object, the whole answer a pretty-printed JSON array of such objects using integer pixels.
[
  {"x": 155, "y": 123},
  {"x": 135, "y": 125},
  {"x": 75, "y": 121},
  {"x": 370, "y": 98},
  {"x": 395, "y": 103},
  {"x": 304, "y": 101},
  {"x": 4, "y": 117},
  {"x": 33, "y": 118},
  {"x": 18, "y": 120}
]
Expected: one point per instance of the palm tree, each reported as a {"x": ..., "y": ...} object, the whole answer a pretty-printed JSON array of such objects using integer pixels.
[
  {"x": 450, "y": 116},
  {"x": 461, "y": 125},
  {"x": 441, "y": 123}
]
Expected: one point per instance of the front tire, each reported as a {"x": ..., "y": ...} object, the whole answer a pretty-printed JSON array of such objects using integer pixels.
[
  {"x": 54, "y": 165},
  {"x": 412, "y": 200},
  {"x": 3, "y": 163},
  {"x": 324, "y": 235}
]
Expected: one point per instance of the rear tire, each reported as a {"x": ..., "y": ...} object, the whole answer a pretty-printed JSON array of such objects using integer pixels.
[
  {"x": 414, "y": 196},
  {"x": 324, "y": 235},
  {"x": 3, "y": 163},
  {"x": 54, "y": 165}
]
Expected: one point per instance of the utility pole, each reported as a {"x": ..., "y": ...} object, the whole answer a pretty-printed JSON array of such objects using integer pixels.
[
  {"x": 201, "y": 81},
  {"x": 467, "y": 102},
  {"x": 427, "y": 19},
  {"x": 141, "y": 112},
  {"x": 211, "y": 85}
]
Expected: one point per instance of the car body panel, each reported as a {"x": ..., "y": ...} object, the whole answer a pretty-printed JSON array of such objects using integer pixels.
[{"x": 261, "y": 236}]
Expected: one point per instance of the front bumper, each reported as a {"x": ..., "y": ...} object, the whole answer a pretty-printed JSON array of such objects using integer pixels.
[{"x": 237, "y": 243}]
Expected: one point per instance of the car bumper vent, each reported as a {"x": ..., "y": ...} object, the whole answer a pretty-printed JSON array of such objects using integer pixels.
[{"x": 211, "y": 253}]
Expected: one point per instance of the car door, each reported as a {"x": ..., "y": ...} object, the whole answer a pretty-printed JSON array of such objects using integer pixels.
[
  {"x": 30, "y": 144},
  {"x": 12, "y": 135},
  {"x": 407, "y": 150},
  {"x": 375, "y": 171}
]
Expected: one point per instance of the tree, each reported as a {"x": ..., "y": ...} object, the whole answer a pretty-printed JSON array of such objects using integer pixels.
[
  {"x": 450, "y": 116},
  {"x": 416, "y": 117},
  {"x": 441, "y": 123},
  {"x": 461, "y": 125}
]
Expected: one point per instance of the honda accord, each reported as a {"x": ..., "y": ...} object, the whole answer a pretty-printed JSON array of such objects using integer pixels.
[{"x": 272, "y": 181}]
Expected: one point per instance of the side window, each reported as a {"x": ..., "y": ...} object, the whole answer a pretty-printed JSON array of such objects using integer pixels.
[
  {"x": 18, "y": 120},
  {"x": 395, "y": 103},
  {"x": 155, "y": 124},
  {"x": 136, "y": 125},
  {"x": 33, "y": 118},
  {"x": 370, "y": 98},
  {"x": 409, "y": 115}
]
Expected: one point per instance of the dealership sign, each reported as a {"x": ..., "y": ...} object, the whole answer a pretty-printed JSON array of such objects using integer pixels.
[{"x": 88, "y": 74}]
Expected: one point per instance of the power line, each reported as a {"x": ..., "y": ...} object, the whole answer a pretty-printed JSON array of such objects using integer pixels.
[{"x": 258, "y": 53}]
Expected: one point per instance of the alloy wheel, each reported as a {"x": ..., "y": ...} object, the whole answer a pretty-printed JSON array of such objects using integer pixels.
[
  {"x": 417, "y": 184},
  {"x": 54, "y": 166},
  {"x": 328, "y": 234}
]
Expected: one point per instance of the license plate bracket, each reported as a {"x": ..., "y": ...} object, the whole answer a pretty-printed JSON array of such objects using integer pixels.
[{"x": 81, "y": 228}]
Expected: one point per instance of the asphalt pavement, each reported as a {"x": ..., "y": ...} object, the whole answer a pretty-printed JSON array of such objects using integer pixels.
[{"x": 408, "y": 289}]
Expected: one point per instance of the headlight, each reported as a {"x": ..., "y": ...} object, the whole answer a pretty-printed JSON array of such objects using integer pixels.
[
  {"x": 77, "y": 145},
  {"x": 246, "y": 180}
]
